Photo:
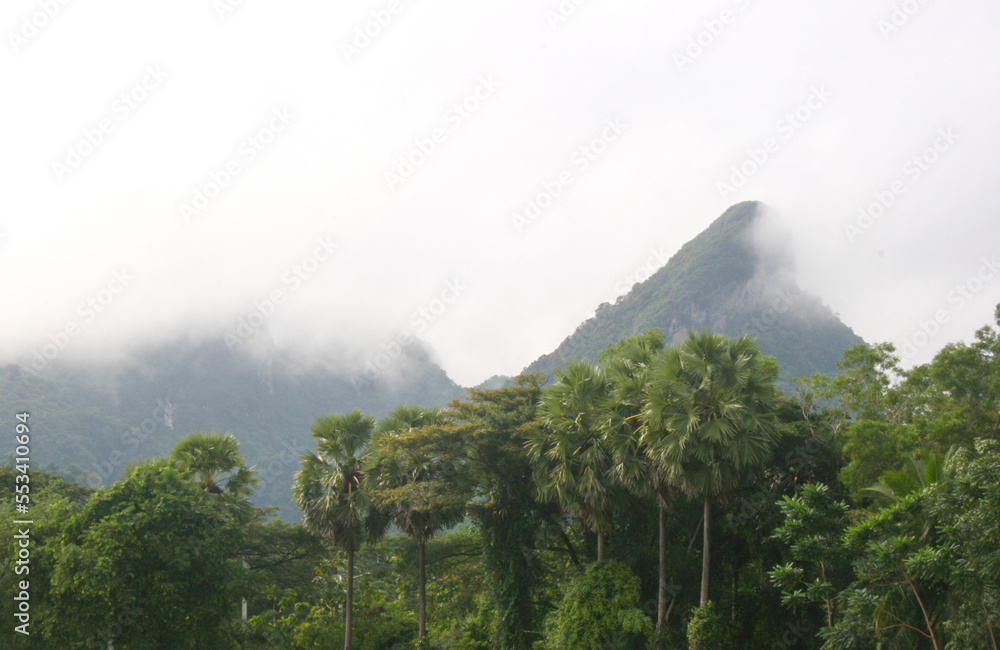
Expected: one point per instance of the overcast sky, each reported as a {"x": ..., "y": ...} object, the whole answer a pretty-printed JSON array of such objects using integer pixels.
[{"x": 171, "y": 167}]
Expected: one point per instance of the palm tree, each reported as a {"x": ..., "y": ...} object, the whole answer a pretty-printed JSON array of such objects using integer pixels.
[
  {"x": 214, "y": 460},
  {"x": 709, "y": 419},
  {"x": 570, "y": 459},
  {"x": 627, "y": 365},
  {"x": 417, "y": 483},
  {"x": 330, "y": 489},
  {"x": 406, "y": 417},
  {"x": 920, "y": 472}
]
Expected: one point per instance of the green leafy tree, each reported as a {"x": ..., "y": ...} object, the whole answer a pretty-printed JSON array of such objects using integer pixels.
[
  {"x": 53, "y": 502},
  {"x": 874, "y": 447},
  {"x": 864, "y": 387},
  {"x": 709, "y": 419},
  {"x": 818, "y": 566},
  {"x": 494, "y": 426},
  {"x": 970, "y": 504},
  {"x": 898, "y": 597},
  {"x": 927, "y": 565},
  {"x": 418, "y": 483},
  {"x": 968, "y": 378},
  {"x": 329, "y": 488},
  {"x": 876, "y": 411},
  {"x": 281, "y": 558},
  {"x": 148, "y": 563},
  {"x": 600, "y": 609},
  {"x": 708, "y": 629}
]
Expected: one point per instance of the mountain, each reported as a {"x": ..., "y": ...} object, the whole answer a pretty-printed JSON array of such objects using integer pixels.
[
  {"x": 91, "y": 420},
  {"x": 732, "y": 279}
]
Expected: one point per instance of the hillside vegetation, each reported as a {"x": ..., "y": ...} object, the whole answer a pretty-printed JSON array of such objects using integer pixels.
[{"x": 720, "y": 280}]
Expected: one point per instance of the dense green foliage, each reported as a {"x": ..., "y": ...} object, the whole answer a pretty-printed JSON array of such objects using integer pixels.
[
  {"x": 130, "y": 564},
  {"x": 861, "y": 512},
  {"x": 600, "y": 608},
  {"x": 708, "y": 629}
]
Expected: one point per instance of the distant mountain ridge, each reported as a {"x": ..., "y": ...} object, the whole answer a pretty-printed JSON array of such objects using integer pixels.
[
  {"x": 723, "y": 280},
  {"x": 99, "y": 417}
]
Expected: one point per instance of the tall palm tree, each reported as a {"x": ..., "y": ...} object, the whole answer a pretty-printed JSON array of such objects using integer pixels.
[
  {"x": 709, "y": 419},
  {"x": 627, "y": 365},
  {"x": 417, "y": 483},
  {"x": 330, "y": 489},
  {"x": 570, "y": 459}
]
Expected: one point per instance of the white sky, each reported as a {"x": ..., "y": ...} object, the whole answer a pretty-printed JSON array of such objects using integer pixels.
[{"x": 545, "y": 89}]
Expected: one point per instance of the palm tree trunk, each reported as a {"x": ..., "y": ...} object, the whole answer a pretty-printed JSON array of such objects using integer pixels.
[
  {"x": 661, "y": 605},
  {"x": 600, "y": 546},
  {"x": 243, "y": 604},
  {"x": 349, "y": 615},
  {"x": 661, "y": 602},
  {"x": 705, "y": 550},
  {"x": 735, "y": 586},
  {"x": 422, "y": 579}
]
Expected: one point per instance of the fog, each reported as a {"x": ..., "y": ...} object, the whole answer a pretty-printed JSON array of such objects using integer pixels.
[{"x": 481, "y": 177}]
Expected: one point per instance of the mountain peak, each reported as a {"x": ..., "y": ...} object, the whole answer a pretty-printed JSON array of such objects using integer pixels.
[{"x": 736, "y": 277}]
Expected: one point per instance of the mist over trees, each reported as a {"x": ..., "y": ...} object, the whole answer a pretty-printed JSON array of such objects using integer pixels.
[{"x": 665, "y": 496}]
